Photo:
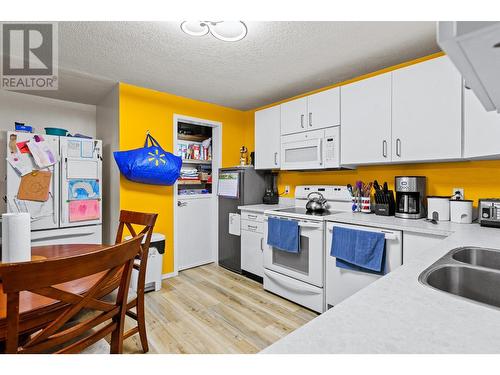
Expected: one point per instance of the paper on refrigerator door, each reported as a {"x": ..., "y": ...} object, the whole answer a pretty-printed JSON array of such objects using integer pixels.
[
  {"x": 84, "y": 210},
  {"x": 74, "y": 149},
  {"x": 20, "y": 162},
  {"x": 41, "y": 152},
  {"x": 87, "y": 149},
  {"x": 234, "y": 224},
  {"x": 38, "y": 210}
]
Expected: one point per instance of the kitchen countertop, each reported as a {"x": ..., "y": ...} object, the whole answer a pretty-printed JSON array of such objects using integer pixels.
[
  {"x": 397, "y": 314},
  {"x": 260, "y": 208},
  {"x": 442, "y": 228}
]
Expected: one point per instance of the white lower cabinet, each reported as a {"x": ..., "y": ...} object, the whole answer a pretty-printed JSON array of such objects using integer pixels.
[
  {"x": 415, "y": 244},
  {"x": 252, "y": 243},
  {"x": 251, "y": 252}
]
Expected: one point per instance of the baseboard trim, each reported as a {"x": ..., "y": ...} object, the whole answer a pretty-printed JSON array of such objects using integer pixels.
[{"x": 169, "y": 275}]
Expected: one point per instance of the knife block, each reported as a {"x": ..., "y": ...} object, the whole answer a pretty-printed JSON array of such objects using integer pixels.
[{"x": 384, "y": 203}]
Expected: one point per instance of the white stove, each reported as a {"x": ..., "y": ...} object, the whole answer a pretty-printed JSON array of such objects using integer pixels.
[{"x": 299, "y": 277}]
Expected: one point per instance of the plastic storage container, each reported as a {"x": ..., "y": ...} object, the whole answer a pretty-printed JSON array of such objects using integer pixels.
[
  {"x": 56, "y": 131},
  {"x": 461, "y": 211},
  {"x": 438, "y": 208}
]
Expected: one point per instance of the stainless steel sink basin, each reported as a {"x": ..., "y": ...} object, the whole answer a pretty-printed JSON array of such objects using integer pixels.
[
  {"x": 468, "y": 272},
  {"x": 478, "y": 285},
  {"x": 476, "y": 256}
]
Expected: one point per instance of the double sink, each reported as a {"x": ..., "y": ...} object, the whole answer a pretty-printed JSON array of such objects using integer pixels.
[{"x": 468, "y": 272}]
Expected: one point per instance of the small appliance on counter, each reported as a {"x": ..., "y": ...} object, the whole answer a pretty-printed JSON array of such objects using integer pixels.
[
  {"x": 384, "y": 200},
  {"x": 489, "y": 212},
  {"x": 410, "y": 195},
  {"x": 461, "y": 211},
  {"x": 271, "y": 195},
  {"x": 438, "y": 208}
]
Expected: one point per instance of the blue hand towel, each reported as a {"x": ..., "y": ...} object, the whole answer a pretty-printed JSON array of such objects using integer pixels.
[
  {"x": 358, "y": 250},
  {"x": 283, "y": 234}
]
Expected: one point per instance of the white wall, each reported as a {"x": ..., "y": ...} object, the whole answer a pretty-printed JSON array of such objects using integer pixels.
[
  {"x": 40, "y": 112},
  {"x": 108, "y": 129}
]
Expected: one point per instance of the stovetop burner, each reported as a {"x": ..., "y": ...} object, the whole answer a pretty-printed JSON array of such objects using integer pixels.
[{"x": 303, "y": 211}]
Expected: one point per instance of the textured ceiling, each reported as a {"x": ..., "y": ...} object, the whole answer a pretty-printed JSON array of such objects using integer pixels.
[{"x": 275, "y": 61}]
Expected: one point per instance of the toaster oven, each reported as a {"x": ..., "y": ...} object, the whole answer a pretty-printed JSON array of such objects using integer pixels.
[{"x": 489, "y": 212}]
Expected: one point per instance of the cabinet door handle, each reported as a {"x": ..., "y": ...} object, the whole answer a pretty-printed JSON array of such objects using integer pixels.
[
  {"x": 302, "y": 121},
  {"x": 276, "y": 158},
  {"x": 252, "y": 227},
  {"x": 384, "y": 148},
  {"x": 252, "y": 216},
  {"x": 262, "y": 244},
  {"x": 398, "y": 147},
  {"x": 310, "y": 119}
]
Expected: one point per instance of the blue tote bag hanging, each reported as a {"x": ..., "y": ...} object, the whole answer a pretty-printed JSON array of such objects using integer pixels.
[{"x": 149, "y": 164}]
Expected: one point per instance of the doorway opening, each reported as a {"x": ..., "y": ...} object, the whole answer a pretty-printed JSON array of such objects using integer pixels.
[{"x": 199, "y": 143}]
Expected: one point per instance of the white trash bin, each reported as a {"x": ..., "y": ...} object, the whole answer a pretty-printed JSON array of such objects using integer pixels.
[{"x": 155, "y": 263}]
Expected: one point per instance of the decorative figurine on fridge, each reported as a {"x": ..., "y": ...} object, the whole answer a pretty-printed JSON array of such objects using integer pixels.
[{"x": 243, "y": 156}]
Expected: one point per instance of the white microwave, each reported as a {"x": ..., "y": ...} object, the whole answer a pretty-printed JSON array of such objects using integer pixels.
[{"x": 315, "y": 149}]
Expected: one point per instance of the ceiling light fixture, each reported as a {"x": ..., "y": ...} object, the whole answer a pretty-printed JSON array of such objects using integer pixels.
[{"x": 228, "y": 31}]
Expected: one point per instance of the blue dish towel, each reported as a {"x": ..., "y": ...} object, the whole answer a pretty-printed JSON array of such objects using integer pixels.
[
  {"x": 283, "y": 234},
  {"x": 358, "y": 250}
]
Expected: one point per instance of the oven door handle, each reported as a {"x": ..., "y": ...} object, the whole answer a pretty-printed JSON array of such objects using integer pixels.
[
  {"x": 304, "y": 224},
  {"x": 304, "y": 287},
  {"x": 388, "y": 235}
]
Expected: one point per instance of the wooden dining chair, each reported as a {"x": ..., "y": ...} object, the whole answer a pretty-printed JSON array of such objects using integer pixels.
[
  {"x": 129, "y": 220},
  {"x": 47, "y": 278}
]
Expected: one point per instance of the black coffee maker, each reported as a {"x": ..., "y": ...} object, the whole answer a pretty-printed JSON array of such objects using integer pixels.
[{"x": 271, "y": 195}]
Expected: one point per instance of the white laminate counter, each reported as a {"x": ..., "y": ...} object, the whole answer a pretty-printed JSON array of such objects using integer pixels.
[
  {"x": 397, "y": 314},
  {"x": 442, "y": 228}
]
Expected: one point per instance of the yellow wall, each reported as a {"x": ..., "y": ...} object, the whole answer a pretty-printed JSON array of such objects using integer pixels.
[
  {"x": 142, "y": 109},
  {"x": 480, "y": 179}
]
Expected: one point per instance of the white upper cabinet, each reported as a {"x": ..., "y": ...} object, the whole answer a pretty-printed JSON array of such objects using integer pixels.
[
  {"x": 366, "y": 121},
  {"x": 481, "y": 129},
  {"x": 323, "y": 109},
  {"x": 293, "y": 116},
  {"x": 426, "y": 112},
  {"x": 267, "y": 138},
  {"x": 317, "y": 111}
]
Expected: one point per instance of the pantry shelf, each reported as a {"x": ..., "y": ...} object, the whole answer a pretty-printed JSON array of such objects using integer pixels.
[
  {"x": 192, "y": 138},
  {"x": 195, "y": 161},
  {"x": 189, "y": 182}
]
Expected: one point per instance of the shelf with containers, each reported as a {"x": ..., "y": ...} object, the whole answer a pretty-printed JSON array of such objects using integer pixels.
[{"x": 194, "y": 146}]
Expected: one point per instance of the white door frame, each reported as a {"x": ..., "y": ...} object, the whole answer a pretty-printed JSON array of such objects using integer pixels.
[{"x": 216, "y": 164}]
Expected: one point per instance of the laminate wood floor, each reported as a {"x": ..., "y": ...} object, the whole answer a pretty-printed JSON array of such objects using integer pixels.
[{"x": 208, "y": 309}]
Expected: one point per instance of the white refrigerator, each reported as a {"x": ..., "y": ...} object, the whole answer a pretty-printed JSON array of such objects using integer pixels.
[{"x": 72, "y": 213}]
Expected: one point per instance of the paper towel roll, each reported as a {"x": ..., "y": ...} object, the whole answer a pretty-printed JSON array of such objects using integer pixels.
[{"x": 16, "y": 237}]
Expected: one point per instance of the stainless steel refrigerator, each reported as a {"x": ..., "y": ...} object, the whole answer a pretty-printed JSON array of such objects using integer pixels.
[{"x": 237, "y": 186}]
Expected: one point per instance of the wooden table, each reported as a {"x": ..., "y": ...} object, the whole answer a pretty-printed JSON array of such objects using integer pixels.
[{"x": 35, "y": 305}]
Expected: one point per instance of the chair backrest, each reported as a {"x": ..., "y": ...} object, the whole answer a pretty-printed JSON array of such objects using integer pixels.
[
  {"x": 129, "y": 219},
  {"x": 43, "y": 277}
]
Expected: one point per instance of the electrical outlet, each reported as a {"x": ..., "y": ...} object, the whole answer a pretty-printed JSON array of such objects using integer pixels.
[
  {"x": 460, "y": 191},
  {"x": 287, "y": 189}
]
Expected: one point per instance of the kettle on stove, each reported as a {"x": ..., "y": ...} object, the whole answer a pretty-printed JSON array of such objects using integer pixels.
[{"x": 316, "y": 203}]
